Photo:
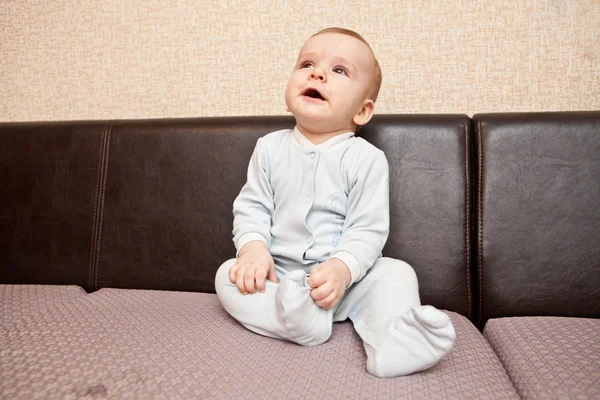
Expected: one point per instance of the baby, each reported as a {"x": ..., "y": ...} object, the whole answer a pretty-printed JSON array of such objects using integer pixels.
[{"x": 312, "y": 219}]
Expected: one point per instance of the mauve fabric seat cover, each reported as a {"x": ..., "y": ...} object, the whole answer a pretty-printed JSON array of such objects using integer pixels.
[
  {"x": 549, "y": 357},
  {"x": 21, "y": 301},
  {"x": 120, "y": 343}
]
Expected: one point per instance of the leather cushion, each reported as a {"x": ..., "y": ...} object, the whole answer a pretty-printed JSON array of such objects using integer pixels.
[{"x": 538, "y": 211}]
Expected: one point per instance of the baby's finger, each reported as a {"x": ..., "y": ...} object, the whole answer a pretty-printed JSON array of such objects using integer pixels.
[
  {"x": 272, "y": 276},
  {"x": 321, "y": 292},
  {"x": 260, "y": 280},
  {"x": 249, "y": 280},
  {"x": 239, "y": 281},
  {"x": 232, "y": 272},
  {"x": 317, "y": 277},
  {"x": 328, "y": 302}
]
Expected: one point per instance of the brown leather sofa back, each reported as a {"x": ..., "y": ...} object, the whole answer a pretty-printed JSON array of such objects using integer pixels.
[
  {"x": 147, "y": 204},
  {"x": 48, "y": 195},
  {"x": 538, "y": 217}
]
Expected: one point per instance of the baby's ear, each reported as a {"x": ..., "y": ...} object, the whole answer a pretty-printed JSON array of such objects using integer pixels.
[{"x": 365, "y": 113}]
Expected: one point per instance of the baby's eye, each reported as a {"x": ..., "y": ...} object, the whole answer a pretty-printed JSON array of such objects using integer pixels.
[
  {"x": 340, "y": 70},
  {"x": 306, "y": 64}
]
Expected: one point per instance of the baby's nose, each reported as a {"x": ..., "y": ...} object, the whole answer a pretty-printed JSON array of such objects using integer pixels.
[{"x": 317, "y": 73}]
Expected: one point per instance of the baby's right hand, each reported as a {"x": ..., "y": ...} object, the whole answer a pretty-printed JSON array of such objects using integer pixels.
[{"x": 253, "y": 266}]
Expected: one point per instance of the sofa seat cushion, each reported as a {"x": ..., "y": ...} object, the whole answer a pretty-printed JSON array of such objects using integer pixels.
[
  {"x": 549, "y": 357},
  {"x": 121, "y": 343},
  {"x": 21, "y": 301}
]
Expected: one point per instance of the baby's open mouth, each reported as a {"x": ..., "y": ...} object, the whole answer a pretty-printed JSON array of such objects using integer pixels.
[{"x": 313, "y": 93}]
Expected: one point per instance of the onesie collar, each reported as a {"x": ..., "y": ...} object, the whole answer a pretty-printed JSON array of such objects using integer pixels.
[{"x": 306, "y": 144}]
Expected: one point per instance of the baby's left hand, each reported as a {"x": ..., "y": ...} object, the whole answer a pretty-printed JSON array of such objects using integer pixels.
[{"x": 329, "y": 281}]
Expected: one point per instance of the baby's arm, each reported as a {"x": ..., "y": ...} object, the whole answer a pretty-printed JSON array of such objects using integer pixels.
[
  {"x": 367, "y": 223},
  {"x": 365, "y": 232},
  {"x": 252, "y": 211}
]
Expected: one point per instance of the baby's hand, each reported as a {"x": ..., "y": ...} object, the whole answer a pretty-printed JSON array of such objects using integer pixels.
[
  {"x": 253, "y": 266},
  {"x": 329, "y": 281}
]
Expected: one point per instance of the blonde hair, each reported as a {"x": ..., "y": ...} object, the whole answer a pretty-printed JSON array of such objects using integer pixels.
[{"x": 377, "y": 78}]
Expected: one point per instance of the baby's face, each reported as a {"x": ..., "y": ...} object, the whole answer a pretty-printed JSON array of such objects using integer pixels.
[{"x": 331, "y": 83}]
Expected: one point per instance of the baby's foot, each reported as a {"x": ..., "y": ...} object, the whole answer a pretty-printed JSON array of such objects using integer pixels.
[
  {"x": 414, "y": 342},
  {"x": 307, "y": 323}
]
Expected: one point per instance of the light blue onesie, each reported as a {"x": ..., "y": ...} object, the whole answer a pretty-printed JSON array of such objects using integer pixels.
[
  {"x": 310, "y": 203},
  {"x": 300, "y": 197}
]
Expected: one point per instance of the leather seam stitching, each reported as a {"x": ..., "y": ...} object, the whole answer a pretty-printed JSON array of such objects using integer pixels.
[
  {"x": 480, "y": 216},
  {"x": 101, "y": 211},
  {"x": 467, "y": 217},
  {"x": 94, "y": 215}
]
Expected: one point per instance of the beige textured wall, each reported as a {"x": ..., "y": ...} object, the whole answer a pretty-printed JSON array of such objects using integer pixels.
[{"x": 84, "y": 59}]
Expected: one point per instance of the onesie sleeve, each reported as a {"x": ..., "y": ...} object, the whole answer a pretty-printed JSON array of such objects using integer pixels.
[
  {"x": 253, "y": 207},
  {"x": 367, "y": 223}
]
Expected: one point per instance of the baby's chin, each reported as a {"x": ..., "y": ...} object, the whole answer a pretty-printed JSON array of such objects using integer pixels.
[
  {"x": 323, "y": 126},
  {"x": 319, "y": 119}
]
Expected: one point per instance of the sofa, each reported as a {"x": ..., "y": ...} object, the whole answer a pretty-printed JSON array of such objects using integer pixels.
[{"x": 111, "y": 233}]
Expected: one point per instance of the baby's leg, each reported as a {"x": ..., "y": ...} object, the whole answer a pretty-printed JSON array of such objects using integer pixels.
[
  {"x": 284, "y": 311},
  {"x": 400, "y": 336}
]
